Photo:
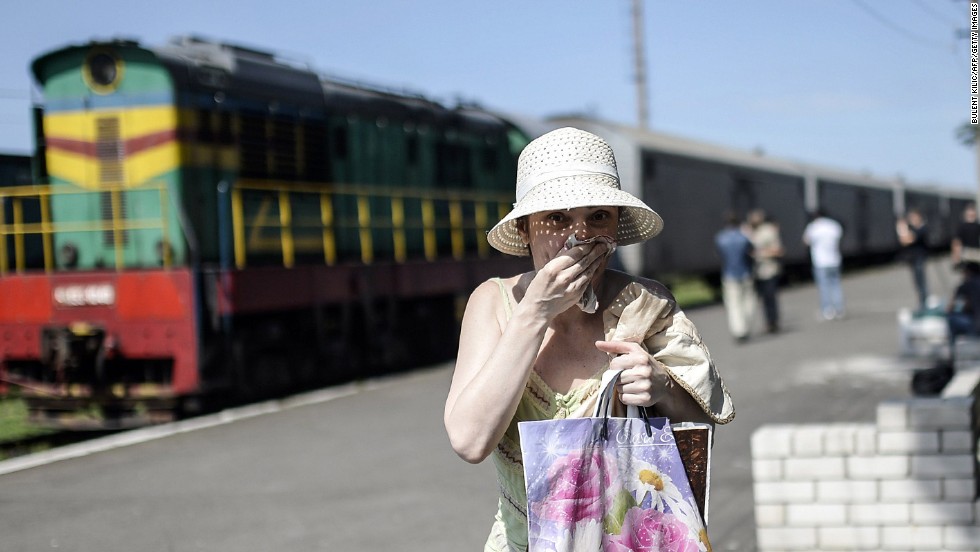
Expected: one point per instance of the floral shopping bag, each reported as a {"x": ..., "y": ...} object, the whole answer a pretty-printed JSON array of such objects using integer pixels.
[{"x": 608, "y": 484}]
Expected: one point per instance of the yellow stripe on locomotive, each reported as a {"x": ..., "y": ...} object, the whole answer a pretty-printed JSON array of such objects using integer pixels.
[{"x": 130, "y": 147}]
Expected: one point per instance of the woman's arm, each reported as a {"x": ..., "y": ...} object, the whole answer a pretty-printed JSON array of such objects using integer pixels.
[
  {"x": 493, "y": 363},
  {"x": 646, "y": 382},
  {"x": 671, "y": 370},
  {"x": 491, "y": 371}
]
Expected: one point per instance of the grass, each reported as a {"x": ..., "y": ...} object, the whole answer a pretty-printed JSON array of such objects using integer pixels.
[
  {"x": 13, "y": 421},
  {"x": 691, "y": 292}
]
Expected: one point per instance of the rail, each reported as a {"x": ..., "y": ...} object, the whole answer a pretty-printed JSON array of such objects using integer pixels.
[
  {"x": 407, "y": 218},
  {"x": 272, "y": 220},
  {"x": 17, "y": 199}
]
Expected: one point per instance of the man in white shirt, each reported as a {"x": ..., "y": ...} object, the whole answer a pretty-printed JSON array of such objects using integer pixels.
[{"x": 823, "y": 235}]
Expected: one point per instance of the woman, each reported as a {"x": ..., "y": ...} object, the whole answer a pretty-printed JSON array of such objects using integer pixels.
[{"x": 531, "y": 348}]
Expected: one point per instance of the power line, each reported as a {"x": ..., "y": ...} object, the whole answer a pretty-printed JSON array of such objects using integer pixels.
[
  {"x": 938, "y": 16},
  {"x": 898, "y": 28},
  {"x": 960, "y": 12}
]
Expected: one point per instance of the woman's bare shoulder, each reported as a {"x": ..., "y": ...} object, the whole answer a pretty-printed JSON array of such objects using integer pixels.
[
  {"x": 488, "y": 292},
  {"x": 497, "y": 284},
  {"x": 496, "y": 295}
]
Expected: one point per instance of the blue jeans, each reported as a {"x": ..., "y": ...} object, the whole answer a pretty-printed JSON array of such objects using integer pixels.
[
  {"x": 919, "y": 277},
  {"x": 767, "y": 290},
  {"x": 831, "y": 293},
  {"x": 960, "y": 324}
]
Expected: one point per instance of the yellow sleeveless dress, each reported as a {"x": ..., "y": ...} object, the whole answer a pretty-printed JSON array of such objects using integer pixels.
[
  {"x": 539, "y": 402},
  {"x": 636, "y": 315}
]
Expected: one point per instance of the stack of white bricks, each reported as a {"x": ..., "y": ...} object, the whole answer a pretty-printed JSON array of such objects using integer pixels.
[{"x": 907, "y": 482}]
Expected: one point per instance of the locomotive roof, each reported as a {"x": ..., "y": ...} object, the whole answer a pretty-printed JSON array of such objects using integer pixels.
[
  {"x": 43, "y": 58},
  {"x": 201, "y": 64}
]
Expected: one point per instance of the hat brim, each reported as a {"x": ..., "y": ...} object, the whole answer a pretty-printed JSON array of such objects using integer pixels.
[{"x": 637, "y": 221}]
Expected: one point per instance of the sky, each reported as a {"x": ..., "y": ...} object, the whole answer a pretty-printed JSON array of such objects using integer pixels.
[{"x": 875, "y": 86}]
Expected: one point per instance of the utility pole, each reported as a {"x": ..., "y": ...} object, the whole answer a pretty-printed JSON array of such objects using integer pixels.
[{"x": 640, "y": 67}]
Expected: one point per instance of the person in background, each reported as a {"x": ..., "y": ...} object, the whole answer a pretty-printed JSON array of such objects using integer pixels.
[
  {"x": 963, "y": 312},
  {"x": 822, "y": 234},
  {"x": 735, "y": 250},
  {"x": 767, "y": 251},
  {"x": 530, "y": 348},
  {"x": 912, "y": 235},
  {"x": 965, "y": 246}
]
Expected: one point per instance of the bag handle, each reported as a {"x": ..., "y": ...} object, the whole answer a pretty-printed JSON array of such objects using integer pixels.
[{"x": 604, "y": 405}]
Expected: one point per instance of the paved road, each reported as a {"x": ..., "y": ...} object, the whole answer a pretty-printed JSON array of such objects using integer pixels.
[{"x": 371, "y": 469}]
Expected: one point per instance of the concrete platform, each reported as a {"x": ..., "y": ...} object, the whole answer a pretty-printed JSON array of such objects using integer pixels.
[{"x": 368, "y": 466}]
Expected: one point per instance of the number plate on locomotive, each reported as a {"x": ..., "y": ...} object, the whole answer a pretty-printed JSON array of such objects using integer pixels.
[{"x": 84, "y": 295}]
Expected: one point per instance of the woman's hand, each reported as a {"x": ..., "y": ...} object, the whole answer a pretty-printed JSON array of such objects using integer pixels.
[
  {"x": 644, "y": 381},
  {"x": 560, "y": 283}
]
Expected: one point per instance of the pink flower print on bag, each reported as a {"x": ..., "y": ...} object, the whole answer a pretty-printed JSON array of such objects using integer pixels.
[
  {"x": 610, "y": 484},
  {"x": 652, "y": 531},
  {"x": 576, "y": 487}
]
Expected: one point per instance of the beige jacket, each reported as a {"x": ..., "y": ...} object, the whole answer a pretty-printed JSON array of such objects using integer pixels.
[{"x": 640, "y": 316}]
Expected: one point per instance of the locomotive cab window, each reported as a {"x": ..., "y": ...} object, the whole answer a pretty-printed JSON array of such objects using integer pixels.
[
  {"x": 252, "y": 146},
  {"x": 340, "y": 142},
  {"x": 453, "y": 165},
  {"x": 204, "y": 127},
  {"x": 490, "y": 161},
  {"x": 412, "y": 150},
  {"x": 315, "y": 165}
]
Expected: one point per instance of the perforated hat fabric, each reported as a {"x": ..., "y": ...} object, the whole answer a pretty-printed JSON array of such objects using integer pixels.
[{"x": 565, "y": 169}]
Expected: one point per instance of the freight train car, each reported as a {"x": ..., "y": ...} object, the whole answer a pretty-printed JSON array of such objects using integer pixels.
[
  {"x": 693, "y": 184},
  {"x": 215, "y": 222}
]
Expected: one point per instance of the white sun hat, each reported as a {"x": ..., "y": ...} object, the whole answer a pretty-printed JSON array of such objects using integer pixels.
[{"x": 565, "y": 169}]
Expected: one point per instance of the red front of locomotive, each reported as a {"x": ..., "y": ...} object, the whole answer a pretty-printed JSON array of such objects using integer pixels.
[{"x": 99, "y": 349}]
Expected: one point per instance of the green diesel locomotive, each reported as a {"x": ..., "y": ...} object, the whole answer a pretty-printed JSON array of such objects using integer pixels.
[{"x": 213, "y": 221}]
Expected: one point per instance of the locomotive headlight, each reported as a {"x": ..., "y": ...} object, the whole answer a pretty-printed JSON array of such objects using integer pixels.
[{"x": 103, "y": 71}]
